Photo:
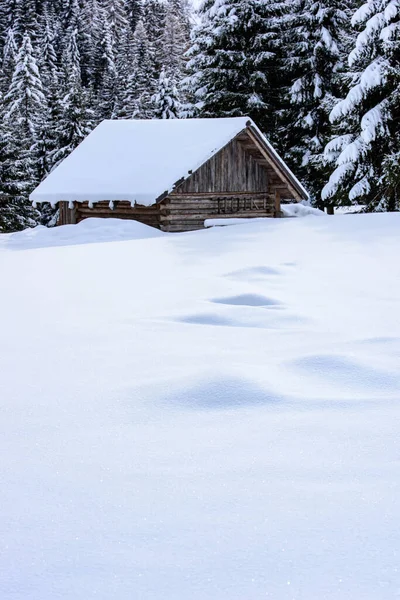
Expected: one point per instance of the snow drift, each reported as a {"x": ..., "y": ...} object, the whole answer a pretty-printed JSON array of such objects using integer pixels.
[{"x": 211, "y": 415}]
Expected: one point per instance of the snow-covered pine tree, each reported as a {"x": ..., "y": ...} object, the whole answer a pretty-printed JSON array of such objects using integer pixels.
[
  {"x": 108, "y": 74},
  {"x": 48, "y": 59},
  {"x": 175, "y": 41},
  {"x": 117, "y": 17},
  {"x": 70, "y": 16},
  {"x": 4, "y": 23},
  {"x": 233, "y": 60},
  {"x": 365, "y": 152},
  {"x": 183, "y": 10},
  {"x": 125, "y": 101},
  {"x": 316, "y": 47},
  {"x": 26, "y": 20},
  {"x": 16, "y": 212},
  {"x": 23, "y": 109},
  {"x": 75, "y": 124},
  {"x": 153, "y": 20},
  {"x": 10, "y": 52},
  {"x": 166, "y": 100},
  {"x": 89, "y": 39},
  {"x": 134, "y": 12},
  {"x": 143, "y": 60},
  {"x": 25, "y": 101},
  {"x": 76, "y": 120}
]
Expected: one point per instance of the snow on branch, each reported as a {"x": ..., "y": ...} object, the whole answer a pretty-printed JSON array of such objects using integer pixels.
[
  {"x": 362, "y": 14},
  {"x": 373, "y": 76},
  {"x": 361, "y": 188},
  {"x": 374, "y": 25},
  {"x": 373, "y": 123},
  {"x": 337, "y": 177},
  {"x": 352, "y": 152}
]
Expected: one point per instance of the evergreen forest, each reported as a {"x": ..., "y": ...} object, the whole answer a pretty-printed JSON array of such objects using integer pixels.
[{"x": 320, "y": 78}]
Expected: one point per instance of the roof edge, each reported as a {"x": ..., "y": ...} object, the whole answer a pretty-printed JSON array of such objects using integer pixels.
[{"x": 278, "y": 159}]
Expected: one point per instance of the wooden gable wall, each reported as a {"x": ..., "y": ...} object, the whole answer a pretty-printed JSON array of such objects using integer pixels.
[
  {"x": 235, "y": 182},
  {"x": 233, "y": 169}
]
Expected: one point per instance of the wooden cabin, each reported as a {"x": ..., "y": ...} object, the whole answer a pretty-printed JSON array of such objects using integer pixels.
[{"x": 171, "y": 174}]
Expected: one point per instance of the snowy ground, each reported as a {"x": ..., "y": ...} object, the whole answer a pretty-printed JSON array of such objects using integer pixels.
[{"x": 204, "y": 416}]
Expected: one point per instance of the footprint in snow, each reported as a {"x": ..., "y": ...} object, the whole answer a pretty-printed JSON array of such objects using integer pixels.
[
  {"x": 271, "y": 320},
  {"x": 254, "y": 273},
  {"x": 207, "y": 319},
  {"x": 254, "y": 300}
]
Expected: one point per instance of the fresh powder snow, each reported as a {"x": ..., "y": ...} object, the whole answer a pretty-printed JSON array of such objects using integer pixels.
[{"x": 207, "y": 416}]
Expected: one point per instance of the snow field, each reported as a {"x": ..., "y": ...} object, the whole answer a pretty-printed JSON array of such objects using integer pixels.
[{"x": 211, "y": 415}]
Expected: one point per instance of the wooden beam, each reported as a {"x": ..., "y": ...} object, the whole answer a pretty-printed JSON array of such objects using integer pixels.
[
  {"x": 277, "y": 204},
  {"x": 72, "y": 213},
  {"x": 281, "y": 175},
  {"x": 213, "y": 195}
]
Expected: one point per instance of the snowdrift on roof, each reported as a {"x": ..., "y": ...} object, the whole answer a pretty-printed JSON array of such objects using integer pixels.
[{"x": 138, "y": 161}]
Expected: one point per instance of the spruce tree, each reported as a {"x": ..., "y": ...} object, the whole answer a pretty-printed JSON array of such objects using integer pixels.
[
  {"x": 134, "y": 12},
  {"x": 365, "y": 152},
  {"x": 108, "y": 74},
  {"x": 48, "y": 59},
  {"x": 76, "y": 118},
  {"x": 71, "y": 13},
  {"x": 117, "y": 19},
  {"x": 89, "y": 39},
  {"x": 316, "y": 46},
  {"x": 233, "y": 60},
  {"x": 10, "y": 52},
  {"x": 174, "y": 42},
  {"x": 26, "y": 20},
  {"x": 16, "y": 176},
  {"x": 143, "y": 60},
  {"x": 25, "y": 100},
  {"x": 166, "y": 100},
  {"x": 153, "y": 21}
]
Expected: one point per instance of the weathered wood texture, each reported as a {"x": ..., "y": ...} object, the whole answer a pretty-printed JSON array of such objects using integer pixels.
[
  {"x": 149, "y": 215},
  {"x": 232, "y": 169},
  {"x": 67, "y": 215},
  {"x": 190, "y": 213},
  {"x": 276, "y": 179}
]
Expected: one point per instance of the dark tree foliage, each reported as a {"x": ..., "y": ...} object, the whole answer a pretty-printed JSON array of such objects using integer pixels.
[{"x": 65, "y": 66}]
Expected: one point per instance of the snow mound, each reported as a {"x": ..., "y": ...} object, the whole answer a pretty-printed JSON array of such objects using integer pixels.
[
  {"x": 89, "y": 231},
  {"x": 211, "y": 415},
  {"x": 226, "y": 393},
  {"x": 228, "y": 222},
  {"x": 344, "y": 372},
  {"x": 300, "y": 210}
]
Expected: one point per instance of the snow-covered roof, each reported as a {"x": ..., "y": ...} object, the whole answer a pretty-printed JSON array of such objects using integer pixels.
[{"x": 140, "y": 160}]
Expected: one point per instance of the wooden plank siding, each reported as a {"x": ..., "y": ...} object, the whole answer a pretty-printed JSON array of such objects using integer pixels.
[
  {"x": 238, "y": 181},
  {"x": 149, "y": 215},
  {"x": 233, "y": 169}
]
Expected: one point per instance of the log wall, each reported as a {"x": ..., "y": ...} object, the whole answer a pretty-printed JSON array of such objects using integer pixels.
[
  {"x": 188, "y": 212},
  {"x": 149, "y": 215},
  {"x": 67, "y": 216}
]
